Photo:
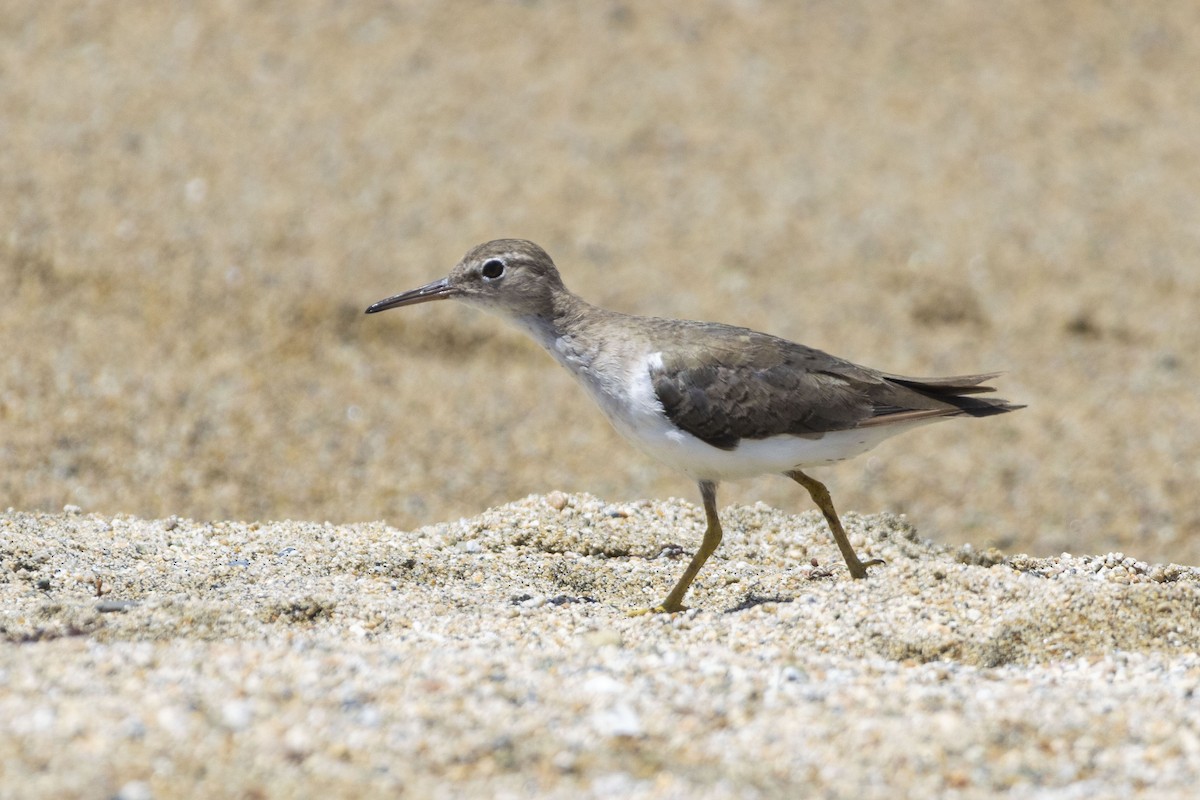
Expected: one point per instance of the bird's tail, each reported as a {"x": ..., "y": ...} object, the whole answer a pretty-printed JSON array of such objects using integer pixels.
[
  {"x": 952, "y": 396},
  {"x": 956, "y": 389}
]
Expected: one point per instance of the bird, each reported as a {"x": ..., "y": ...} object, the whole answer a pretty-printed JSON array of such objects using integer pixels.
[{"x": 716, "y": 402}]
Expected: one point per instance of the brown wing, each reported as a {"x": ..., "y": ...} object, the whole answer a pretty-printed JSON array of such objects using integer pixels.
[{"x": 727, "y": 384}]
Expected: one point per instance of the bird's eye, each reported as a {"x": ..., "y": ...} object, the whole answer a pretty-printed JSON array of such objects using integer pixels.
[{"x": 492, "y": 268}]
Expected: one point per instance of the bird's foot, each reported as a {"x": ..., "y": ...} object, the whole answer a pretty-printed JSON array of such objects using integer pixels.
[
  {"x": 661, "y": 608},
  {"x": 858, "y": 569}
]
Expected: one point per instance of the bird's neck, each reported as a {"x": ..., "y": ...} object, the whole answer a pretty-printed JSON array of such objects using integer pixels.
[{"x": 565, "y": 315}]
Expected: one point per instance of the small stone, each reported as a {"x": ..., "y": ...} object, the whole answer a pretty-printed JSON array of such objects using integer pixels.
[
  {"x": 604, "y": 637},
  {"x": 298, "y": 742},
  {"x": 618, "y": 720},
  {"x": 135, "y": 790},
  {"x": 112, "y": 606},
  {"x": 236, "y": 714}
]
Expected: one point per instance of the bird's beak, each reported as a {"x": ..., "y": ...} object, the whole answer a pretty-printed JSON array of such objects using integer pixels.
[{"x": 438, "y": 290}]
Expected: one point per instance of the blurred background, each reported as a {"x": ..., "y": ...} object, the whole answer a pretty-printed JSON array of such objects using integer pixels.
[{"x": 197, "y": 201}]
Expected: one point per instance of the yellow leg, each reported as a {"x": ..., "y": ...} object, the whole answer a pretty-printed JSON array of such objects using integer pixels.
[
  {"x": 712, "y": 539},
  {"x": 820, "y": 496}
]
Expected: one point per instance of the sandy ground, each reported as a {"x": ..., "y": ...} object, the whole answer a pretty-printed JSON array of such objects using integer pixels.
[
  {"x": 197, "y": 203},
  {"x": 495, "y": 656}
]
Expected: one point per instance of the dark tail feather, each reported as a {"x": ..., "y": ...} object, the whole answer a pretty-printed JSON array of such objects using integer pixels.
[
  {"x": 949, "y": 394},
  {"x": 957, "y": 384},
  {"x": 975, "y": 407}
]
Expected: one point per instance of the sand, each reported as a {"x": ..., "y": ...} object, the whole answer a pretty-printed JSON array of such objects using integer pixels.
[
  {"x": 197, "y": 204},
  {"x": 496, "y": 656}
]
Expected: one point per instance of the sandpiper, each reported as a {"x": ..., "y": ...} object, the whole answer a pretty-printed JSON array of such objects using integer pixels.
[{"x": 714, "y": 401}]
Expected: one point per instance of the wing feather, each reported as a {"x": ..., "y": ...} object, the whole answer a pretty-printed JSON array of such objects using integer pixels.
[{"x": 729, "y": 384}]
